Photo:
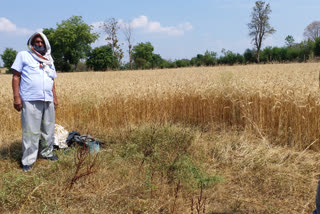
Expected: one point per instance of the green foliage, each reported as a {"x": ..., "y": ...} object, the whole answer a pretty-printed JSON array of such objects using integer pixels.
[
  {"x": 101, "y": 59},
  {"x": 230, "y": 58},
  {"x": 276, "y": 54},
  {"x": 8, "y": 58},
  {"x": 165, "y": 150},
  {"x": 289, "y": 41},
  {"x": 305, "y": 49},
  {"x": 157, "y": 61},
  {"x": 15, "y": 189},
  {"x": 292, "y": 53},
  {"x": 266, "y": 54},
  {"x": 170, "y": 64},
  {"x": 189, "y": 173},
  {"x": 182, "y": 63},
  {"x": 140, "y": 63},
  {"x": 249, "y": 56},
  {"x": 70, "y": 42},
  {"x": 142, "y": 54},
  {"x": 209, "y": 58},
  {"x": 316, "y": 48}
]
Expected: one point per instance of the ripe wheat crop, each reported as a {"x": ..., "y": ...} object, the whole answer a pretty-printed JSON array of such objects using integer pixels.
[{"x": 280, "y": 103}]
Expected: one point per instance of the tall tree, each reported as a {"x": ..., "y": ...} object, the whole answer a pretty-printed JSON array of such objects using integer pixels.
[
  {"x": 111, "y": 28},
  {"x": 312, "y": 31},
  {"x": 127, "y": 31},
  {"x": 142, "y": 54},
  {"x": 70, "y": 42},
  {"x": 8, "y": 58},
  {"x": 289, "y": 41},
  {"x": 259, "y": 27},
  {"x": 101, "y": 59}
]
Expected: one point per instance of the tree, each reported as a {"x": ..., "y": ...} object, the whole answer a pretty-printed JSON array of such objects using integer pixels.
[
  {"x": 111, "y": 28},
  {"x": 259, "y": 27},
  {"x": 8, "y": 58},
  {"x": 182, "y": 63},
  {"x": 249, "y": 56},
  {"x": 199, "y": 60},
  {"x": 101, "y": 59},
  {"x": 70, "y": 42},
  {"x": 127, "y": 31},
  {"x": 209, "y": 58},
  {"x": 229, "y": 58},
  {"x": 306, "y": 48},
  {"x": 276, "y": 54},
  {"x": 157, "y": 61},
  {"x": 267, "y": 52},
  {"x": 312, "y": 31},
  {"x": 316, "y": 48},
  {"x": 142, "y": 54},
  {"x": 289, "y": 41}
]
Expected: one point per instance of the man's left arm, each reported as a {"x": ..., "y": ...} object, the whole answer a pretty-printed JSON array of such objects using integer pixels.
[{"x": 55, "y": 99}]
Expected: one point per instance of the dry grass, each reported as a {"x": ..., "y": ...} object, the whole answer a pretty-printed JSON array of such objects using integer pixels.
[
  {"x": 272, "y": 111},
  {"x": 257, "y": 178},
  {"x": 3, "y": 70}
]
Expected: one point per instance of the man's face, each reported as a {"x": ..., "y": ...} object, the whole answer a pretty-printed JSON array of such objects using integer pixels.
[{"x": 38, "y": 41}]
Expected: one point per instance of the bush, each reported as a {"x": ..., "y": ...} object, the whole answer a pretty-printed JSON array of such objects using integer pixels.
[
  {"x": 249, "y": 56},
  {"x": 316, "y": 48},
  {"x": 8, "y": 58},
  {"x": 101, "y": 59},
  {"x": 164, "y": 150}
]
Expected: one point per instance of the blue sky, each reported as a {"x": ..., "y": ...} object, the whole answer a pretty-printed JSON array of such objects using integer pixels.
[{"x": 176, "y": 28}]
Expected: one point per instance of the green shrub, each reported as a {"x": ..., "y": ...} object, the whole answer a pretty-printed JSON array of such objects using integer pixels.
[{"x": 164, "y": 150}]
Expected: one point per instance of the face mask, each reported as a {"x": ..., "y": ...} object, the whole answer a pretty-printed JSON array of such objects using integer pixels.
[{"x": 40, "y": 49}]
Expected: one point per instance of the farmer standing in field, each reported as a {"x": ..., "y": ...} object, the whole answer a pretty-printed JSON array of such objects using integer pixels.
[{"x": 34, "y": 95}]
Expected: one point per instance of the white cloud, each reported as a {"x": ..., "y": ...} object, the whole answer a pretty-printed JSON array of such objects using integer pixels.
[
  {"x": 143, "y": 23},
  {"x": 7, "y": 26}
]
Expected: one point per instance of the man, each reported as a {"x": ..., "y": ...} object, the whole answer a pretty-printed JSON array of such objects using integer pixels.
[{"x": 34, "y": 95}]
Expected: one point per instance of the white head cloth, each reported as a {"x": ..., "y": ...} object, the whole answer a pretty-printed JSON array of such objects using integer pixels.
[{"x": 45, "y": 59}]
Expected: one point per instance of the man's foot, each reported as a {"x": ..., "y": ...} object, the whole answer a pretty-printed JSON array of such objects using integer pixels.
[
  {"x": 52, "y": 158},
  {"x": 26, "y": 168}
]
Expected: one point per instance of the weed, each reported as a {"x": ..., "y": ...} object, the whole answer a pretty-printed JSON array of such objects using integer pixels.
[{"x": 84, "y": 164}]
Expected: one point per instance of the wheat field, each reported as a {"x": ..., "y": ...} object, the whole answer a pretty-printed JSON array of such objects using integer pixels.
[
  {"x": 256, "y": 126},
  {"x": 278, "y": 102}
]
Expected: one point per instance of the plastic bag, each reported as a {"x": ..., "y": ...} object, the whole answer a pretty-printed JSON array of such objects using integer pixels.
[{"x": 60, "y": 136}]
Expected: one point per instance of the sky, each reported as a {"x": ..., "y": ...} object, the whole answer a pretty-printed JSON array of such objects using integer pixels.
[{"x": 176, "y": 28}]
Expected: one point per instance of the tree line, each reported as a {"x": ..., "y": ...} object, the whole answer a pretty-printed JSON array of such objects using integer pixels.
[{"x": 72, "y": 38}]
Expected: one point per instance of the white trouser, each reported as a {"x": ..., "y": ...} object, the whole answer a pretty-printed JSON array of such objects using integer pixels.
[{"x": 37, "y": 119}]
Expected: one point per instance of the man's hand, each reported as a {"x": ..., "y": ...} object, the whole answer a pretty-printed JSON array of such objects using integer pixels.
[
  {"x": 55, "y": 102},
  {"x": 17, "y": 103}
]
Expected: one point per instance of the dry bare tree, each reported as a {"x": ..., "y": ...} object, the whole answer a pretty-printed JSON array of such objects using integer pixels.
[
  {"x": 312, "y": 31},
  {"x": 259, "y": 27},
  {"x": 127, "y": 31},
  {"x": 111, "y": 28}
]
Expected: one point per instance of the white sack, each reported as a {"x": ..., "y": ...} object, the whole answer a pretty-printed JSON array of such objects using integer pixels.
[{"x": 60, "y": 136}]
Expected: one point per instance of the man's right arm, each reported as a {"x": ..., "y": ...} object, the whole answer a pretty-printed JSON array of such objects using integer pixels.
[{"x": 16, "y": 78}]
